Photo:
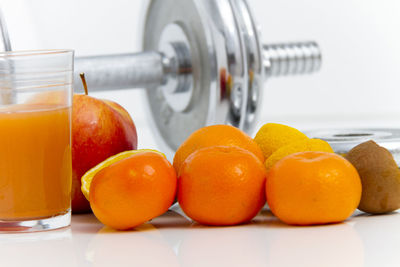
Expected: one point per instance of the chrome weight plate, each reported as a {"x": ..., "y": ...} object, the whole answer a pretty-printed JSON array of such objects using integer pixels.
[
  {"x": 224, "y": 50},
  {"x": 343, "y": 140},
  {"x": 253, "y": 60}
]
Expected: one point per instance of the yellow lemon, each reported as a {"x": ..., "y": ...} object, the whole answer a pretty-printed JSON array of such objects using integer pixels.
[
  {"x": 272, "y": 136},
  {"x": 297, "y": 146}
]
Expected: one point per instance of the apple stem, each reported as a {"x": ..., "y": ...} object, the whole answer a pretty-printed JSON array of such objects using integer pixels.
[{"x": 84, "y": 82}]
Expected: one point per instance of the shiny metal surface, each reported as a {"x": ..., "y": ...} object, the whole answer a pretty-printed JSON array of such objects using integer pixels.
[
  {"x": 228, "y": 64},
  {"x": 6, "y": 98},
  {"x": 252, "y": 78},
  {"x": 291, "y": 58},
  {"x": 4, "y": 33},
  {"x": 343, "y": 140},
  {"x": 203, "y": 63},
  {"x": 178, "y": 85},
  {"x": 111, "y": 72},
  {"x": 171, "y": 125}
]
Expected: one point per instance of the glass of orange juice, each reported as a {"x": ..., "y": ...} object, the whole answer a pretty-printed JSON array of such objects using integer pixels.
[{"x": 35, "y": 140}]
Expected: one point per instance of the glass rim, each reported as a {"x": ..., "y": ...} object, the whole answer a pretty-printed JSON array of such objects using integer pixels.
[{"x": 40, "y": 52}]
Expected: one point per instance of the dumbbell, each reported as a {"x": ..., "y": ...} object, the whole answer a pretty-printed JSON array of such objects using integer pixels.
[{"x": 202, "y": 63}]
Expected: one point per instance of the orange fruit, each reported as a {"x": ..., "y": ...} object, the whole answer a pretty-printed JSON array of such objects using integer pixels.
[
  {"x": 133, "y": 190},
  {"x": 215, "y": 135},
  {"x": 221, "y": 185},
  {"x": 313, "y": 188},
  {"x": 87, "y": 178}
]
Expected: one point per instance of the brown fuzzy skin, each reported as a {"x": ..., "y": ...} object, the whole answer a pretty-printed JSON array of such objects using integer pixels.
[
  {"x": 100, "y": 129},
  {"x": 380, "y": 178}
]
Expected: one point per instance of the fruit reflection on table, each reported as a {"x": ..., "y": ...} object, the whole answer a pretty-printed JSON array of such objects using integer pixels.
[{"x": 172, "y": 240}]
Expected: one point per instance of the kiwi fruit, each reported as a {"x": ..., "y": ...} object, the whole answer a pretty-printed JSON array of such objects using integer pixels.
[{"x": 380, "y": 177}]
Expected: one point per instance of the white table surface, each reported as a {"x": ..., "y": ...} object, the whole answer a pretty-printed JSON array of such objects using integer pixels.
[{"x": 173, "y": 240}]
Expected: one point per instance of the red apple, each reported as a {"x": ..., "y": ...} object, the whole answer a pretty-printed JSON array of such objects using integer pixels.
[{"x": 100, "y": 129}]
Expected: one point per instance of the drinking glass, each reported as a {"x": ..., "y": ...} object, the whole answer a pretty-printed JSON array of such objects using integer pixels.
[{"x": 35, "y": 140}]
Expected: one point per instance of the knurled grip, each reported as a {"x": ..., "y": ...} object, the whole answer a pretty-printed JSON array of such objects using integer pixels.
[
  {"x": 148, "y": 69},
  {"x": 291, "y": 58},
  {"x": 120, "y": 71}
]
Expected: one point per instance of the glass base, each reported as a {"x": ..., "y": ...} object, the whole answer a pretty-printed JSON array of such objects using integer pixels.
[{"x": 37, "y": 225}]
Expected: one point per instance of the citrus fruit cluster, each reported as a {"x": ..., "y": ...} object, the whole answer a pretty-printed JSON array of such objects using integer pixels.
[
  {"x": 221, "y": 176},
  {"x": 306, "y": 182}
]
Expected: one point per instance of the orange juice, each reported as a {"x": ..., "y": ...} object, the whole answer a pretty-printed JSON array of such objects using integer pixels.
[{"x": 35, "y": 162}]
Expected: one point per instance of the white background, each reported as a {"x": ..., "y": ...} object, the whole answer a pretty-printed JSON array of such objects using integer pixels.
[
  {"x": 358, "y": 85},
  {"x": 360, "y": 40}
]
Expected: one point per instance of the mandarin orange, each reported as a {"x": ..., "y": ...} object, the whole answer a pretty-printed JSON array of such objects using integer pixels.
[
  {"x": 215, "y": 135},
  {"x": 133, "y": 190},
  {"x": 313, "y": 188},
  {"x": 221, "y": 185}
]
